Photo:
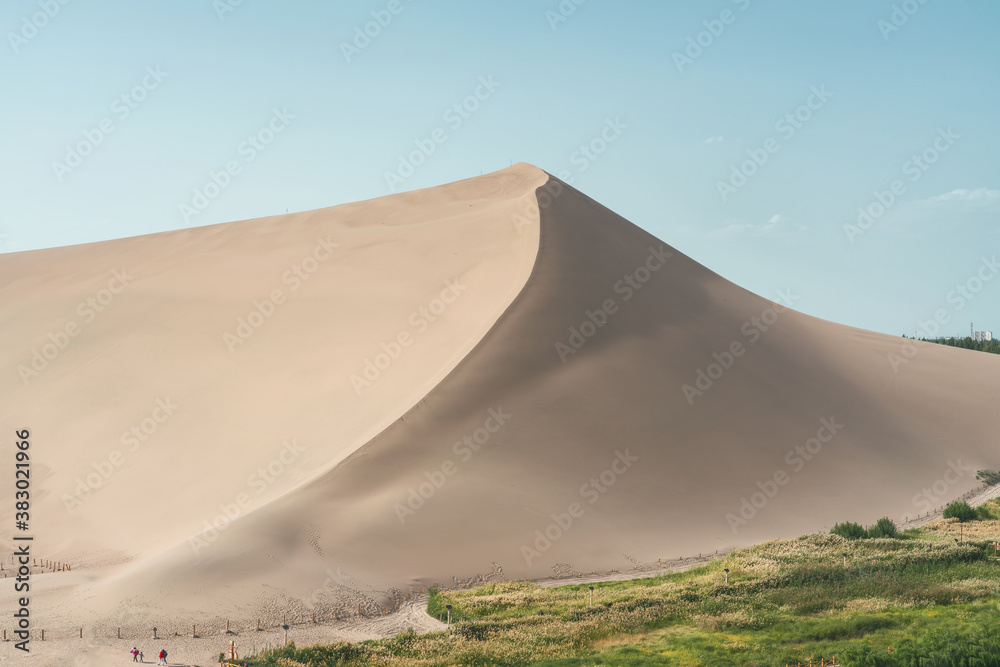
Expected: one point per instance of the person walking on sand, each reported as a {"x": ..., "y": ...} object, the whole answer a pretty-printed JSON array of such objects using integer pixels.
[
  {"x": 135, "y": 654},
  {"x": 142, "y": 658},
  {"x": 163, "y": 657}
]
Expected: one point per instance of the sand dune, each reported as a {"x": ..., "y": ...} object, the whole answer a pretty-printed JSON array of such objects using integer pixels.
[{"x": 589, "y": 398}]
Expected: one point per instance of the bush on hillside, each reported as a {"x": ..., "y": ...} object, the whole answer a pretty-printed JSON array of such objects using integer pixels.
[
  {"x": 987, "y": 512},
  {"x": 988, "y": 477},
  {"x": 849, "y": 530},
  {"x": 961, "y": 511},
  {"x": 884, "y": 527}
]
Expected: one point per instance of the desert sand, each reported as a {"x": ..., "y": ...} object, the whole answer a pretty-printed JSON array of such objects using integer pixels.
[{"x": 497, "y": 378}]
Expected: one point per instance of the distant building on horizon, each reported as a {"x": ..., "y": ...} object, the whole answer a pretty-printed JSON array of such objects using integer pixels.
[{"x": 982, "y": 336}]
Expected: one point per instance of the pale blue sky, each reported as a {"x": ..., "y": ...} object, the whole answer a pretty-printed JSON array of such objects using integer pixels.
[{"x": 559, "y": 83}]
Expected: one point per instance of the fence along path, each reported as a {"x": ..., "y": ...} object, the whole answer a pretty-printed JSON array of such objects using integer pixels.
[{"x": 975, "y": 498}]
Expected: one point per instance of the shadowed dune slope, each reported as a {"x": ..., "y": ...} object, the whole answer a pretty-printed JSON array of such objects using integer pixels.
[{"x": 596, "y": 446}]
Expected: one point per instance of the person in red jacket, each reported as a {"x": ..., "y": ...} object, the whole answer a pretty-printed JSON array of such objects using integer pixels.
[{"x": 163, "y": 657}]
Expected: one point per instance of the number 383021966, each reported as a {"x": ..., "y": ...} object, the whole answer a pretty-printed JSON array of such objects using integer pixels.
[{"x": 22, "y": 479}]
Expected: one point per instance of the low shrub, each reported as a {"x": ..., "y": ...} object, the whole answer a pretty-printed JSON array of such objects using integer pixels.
[
  {"x": 988, "y": 477},
  {"x": 961, "y": 511},
  {"x": 987, "y": 512},
  {"x": 884, "y": 527},
  {"x": 849, "y": 530}
]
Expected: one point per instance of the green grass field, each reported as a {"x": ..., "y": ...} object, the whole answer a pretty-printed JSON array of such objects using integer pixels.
[{"x": 933, "y": 602}]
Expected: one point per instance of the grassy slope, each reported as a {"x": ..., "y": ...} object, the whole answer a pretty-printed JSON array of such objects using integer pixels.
[{"x": 787, "y": 601}]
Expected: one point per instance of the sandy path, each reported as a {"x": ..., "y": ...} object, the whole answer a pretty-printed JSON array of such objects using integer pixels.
[
  {"x": 676, "y": 565},
  {"x": 412, "y": 614},
  {"x": 204, "y": 651}
]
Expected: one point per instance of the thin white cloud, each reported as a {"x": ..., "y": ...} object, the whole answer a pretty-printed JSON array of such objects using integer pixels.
[
  {"x": 972, "y": 210},
  {"x": 715, "y": 140},
  {"x": 732, "y": 228},
  {"x": 963, "y": 195},
  {"x": 777, "y": 226}
]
